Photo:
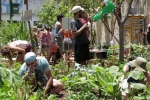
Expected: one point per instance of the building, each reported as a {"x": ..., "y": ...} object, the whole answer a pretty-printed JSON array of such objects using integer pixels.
[
  {"x": 102, "y": 33},
  {"x": 32, "y": 5}
]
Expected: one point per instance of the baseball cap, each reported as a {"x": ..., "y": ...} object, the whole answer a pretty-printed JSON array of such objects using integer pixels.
[
  {"x": 139, "y": 63},
  {"x": 76, "y": 9},
  {"x": 29, "y": 57},
  {"x": 54, "y": 48}
]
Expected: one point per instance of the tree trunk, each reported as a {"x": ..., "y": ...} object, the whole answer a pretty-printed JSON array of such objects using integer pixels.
[
  {"x": 121, "y": 44},
  {"x": 0, "y": 11}
]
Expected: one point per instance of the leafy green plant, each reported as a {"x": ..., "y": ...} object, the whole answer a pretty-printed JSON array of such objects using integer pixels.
[
  {"x": 80, "y": 96},
  {"x": 139, "y": 51},
  {"x": 105, "y": 81},
  {"x": 105, "y": 46},
  {"x": 50, "y": 10},
  {"x": 11, "y": 31},
  {"x": 99, "y": 46},
  {"x": 9, "y": 83},
  {"x": 60, "y": 69}
]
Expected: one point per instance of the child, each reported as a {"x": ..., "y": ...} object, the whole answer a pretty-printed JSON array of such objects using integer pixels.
[
  {"x": 84, "y": 20},
  {"x": 43, "y": 43},
  {"x": 56, "y": 54},
  {"x": 67, "y": 42}
]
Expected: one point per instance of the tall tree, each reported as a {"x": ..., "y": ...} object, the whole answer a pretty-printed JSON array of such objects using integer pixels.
[
  {"x": 50, "y": 9},
  {"x": 121, "y": 22}
]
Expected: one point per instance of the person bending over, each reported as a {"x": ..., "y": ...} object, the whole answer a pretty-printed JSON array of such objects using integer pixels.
[
  {"x": 56, "y": 54},
  {"x": 37, "y": 73},
  {"x": 21, "y": 47}
]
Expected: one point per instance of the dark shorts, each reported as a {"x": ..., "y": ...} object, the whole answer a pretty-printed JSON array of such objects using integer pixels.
[
  {"x": 67, "y": 46},
  {"x": 132, "y": 80},
  {"x": 44, "y": 46},
  {"x": 28, "y": 48},
  {"x": 36, "y": 45},
  {"x": 81, "y": 52}
]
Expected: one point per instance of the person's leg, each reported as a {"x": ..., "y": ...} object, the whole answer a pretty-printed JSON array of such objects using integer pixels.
[
  {"x": 20, "y": 58},
  {"x": 48, "y": 53},
  {"x": 79, "y": 54},
  {"x": 36, "y": 51},
  {"x": 87, "y": 53},
  {"x": 57, "y": 87},
  {"x": 53, "y": 59},
  {"x": 43, "y": 50},
  {"x": 59, "y": 42},
  {"x": 66, "y": 51}
]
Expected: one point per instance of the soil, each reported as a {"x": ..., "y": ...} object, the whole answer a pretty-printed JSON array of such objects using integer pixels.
[{"x": 63, "y": 95}]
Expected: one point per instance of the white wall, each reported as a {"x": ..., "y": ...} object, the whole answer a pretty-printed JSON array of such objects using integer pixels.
[{"x": 33, "y": 5}]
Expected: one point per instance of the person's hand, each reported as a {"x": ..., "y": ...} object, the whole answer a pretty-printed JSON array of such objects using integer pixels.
[
  {"x": 32, "y": 68},
  {"x": 85, "y": 26}
]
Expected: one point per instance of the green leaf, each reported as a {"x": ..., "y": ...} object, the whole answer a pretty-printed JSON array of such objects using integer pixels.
[
  {"x": 138, "y": 86},
  {"x": 124, "y": 84},
  {"x": 90, "y": 96},
  {"x": 52, "y": 97},
  {"x": 135, "y": 74},
  {"x": 145, "y": 97},
  {"x": 113, "y": 69},
  {"x": 128, "y": 1}
]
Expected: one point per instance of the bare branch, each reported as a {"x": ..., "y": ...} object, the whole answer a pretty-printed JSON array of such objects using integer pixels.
[
  {"x": 107, "y": 26},
  {"x": 128, "y": 11},
  {"x": 117, "y": 17}
]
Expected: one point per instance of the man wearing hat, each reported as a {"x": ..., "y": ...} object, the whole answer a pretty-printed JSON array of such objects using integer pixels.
[
  {"x": 138, "y": 64},
  {"x": 81, "y": 47},
  {"x": 36, "y": 70}
]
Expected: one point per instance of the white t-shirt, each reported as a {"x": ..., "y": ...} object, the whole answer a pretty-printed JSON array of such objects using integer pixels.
[
  {"x": 58, "y": 23},
  {"x": 52, "y": 36},
  {"x": 89, "y": 25},
  {"x": 19, "y": 43}
]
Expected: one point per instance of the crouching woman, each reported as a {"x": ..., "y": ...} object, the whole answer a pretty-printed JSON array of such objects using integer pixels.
[{"x": 138, "y": 64}]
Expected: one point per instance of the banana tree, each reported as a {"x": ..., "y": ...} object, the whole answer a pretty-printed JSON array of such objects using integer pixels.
[{"x": 11, "y": 31}]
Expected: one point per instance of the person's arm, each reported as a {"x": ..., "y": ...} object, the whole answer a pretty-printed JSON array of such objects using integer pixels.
[
  {"x": 58, "y": 25},
  {"x": 17, "y": 49},
  {"x": 49, "y": 83},
  {"x": 21, "y": 70},
  {"x": 125, "y": 70},
  {"x": 89, "y": 30},
  {"x": 78, "y": 32},
  {"x": 147, "y": 75},
  {"x": 47, "y": 71},
  {"x": 88, "y": 33},
  {"x": 74, "y": 29},
  {"x": 60, "y": 33}
]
